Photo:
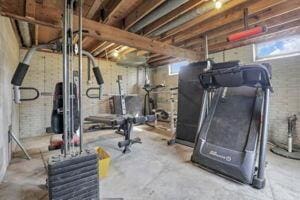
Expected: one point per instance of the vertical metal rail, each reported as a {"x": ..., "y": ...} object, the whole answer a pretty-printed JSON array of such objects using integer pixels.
[
  {"x": 206, "y": 47},
  {"x": 65, "y": 77},
  {"x": 80, "y": 76},
  {"x": 264, "y": 136},
  {"x": 122, "y": 95},
  {"x": 71, "y": 75}
]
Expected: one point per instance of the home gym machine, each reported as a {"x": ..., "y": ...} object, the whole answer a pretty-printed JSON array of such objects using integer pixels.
[
  {"x": 74, "y": 173},
  {"x": 233, "y": 132},
  {"x": 150, "y": 106},
  {"x": 123, "y": 121}
]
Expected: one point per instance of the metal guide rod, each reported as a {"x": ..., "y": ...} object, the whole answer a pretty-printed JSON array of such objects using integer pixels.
[
  {"x": 206, "y": 47},
  {"x": 80, "y": 76},
  {"x": 122, "y": 95},
  {"x": 71, "y": 76},
  {"x": 65, "y": 77}
]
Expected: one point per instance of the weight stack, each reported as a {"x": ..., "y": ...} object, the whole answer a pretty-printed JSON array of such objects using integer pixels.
[{"x": 73, "y": 177}]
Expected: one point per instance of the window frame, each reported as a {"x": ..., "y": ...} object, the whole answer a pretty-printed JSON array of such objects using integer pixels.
[
  {"x": 176, "y": 73},
  {"x": 287, "y": 55}
]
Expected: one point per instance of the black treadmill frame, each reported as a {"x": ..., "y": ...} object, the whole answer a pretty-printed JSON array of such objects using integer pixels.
[{"x": 211, "y": 84}]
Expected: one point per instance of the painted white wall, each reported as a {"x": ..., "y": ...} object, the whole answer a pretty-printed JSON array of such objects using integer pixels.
[{"x": 9, "y": 112}]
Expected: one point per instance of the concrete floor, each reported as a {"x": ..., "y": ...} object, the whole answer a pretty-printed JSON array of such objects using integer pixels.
[{"x": 152, "y": 170}]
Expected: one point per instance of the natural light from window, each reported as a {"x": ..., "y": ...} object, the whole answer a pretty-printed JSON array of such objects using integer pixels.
[
  {"x": 174, "y": 68},
  {"x": 283, "y": 47}
]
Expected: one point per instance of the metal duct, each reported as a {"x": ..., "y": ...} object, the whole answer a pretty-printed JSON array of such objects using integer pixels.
[
  {"x": 132, "y": 59},
  {"x": 162, "y": 10},
  {"x": 202, "y": 9},
  {"x": 25, "y": 33}
]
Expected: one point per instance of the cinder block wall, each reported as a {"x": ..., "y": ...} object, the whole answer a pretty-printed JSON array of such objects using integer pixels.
[
  {"x": 46, "y": 70},
  {"x": 9, "y": 112},
  {"x": 285, "y": 101}
]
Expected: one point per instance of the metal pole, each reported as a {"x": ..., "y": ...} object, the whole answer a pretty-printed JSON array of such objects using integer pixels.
[
  {"x": 206, "y": 47},
  {"x": 80, "y": 75},
  {"x": 264, "y": 136},
  {"x": 65, "y": 78}
]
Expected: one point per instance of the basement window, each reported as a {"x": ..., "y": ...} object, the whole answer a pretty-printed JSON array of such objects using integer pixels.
[
  {"x": 283, "y": 47},
  {"x": 174, "y": 68}
]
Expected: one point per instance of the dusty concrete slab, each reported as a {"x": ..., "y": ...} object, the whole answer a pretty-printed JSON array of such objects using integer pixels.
[{"x": 152, "y": 170}]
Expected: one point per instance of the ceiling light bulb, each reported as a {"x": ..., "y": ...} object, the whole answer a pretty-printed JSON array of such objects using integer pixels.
[
  {"x": 218, "y": 4},
  {"x": 115, "y": 54}
]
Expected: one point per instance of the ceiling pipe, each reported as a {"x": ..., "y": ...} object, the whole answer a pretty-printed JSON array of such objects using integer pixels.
[
  {"x": 25, "y": 33},
  {"x": 200, "y": 10},
  {"x": 162, "y": 10}
]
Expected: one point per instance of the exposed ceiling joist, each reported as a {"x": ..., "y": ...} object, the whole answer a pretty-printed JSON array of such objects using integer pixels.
[
  {"x": 229, "y": 17},
  {"x": 285, "y": 30},
  {"x": 30, "y": 8},
  {"x": 93, "y": 9},
  {"x": 120, "y": 11},
  {"x": 172, "y": 15},
  {"x": 104, "y": 32},
  {"x": 140, "y": 12},
  {"x": 205, "y": 16}
]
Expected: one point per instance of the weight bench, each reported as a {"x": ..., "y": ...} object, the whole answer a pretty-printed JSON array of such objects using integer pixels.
[{"x": 125, "y": 123}]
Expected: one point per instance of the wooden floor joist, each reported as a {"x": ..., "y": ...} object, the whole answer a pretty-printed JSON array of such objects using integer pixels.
[{"x": 104, "y": 32}]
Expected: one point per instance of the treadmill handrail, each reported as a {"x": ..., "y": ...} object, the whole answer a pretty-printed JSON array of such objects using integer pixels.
[{"x": 208, "y": 79}]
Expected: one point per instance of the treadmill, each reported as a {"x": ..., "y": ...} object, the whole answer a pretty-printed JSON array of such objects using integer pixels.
[{"x": 233, "y": 124}]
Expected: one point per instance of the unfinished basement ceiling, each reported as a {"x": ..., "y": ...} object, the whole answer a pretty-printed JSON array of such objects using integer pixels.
[{"x": 180, "y": 23}]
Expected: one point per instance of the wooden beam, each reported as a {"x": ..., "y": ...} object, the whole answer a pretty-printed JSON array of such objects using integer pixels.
[
  {"x": 16, "y": 32},
  {"x": 30, "y": 8},
  {"x": 102, "y": 49},
  {"x": 229, "y": 17},
  {"x": 98, "y": 47},
  {"x": 36, "y": 34},
  {"x": 274, "y": 16},
  {"x": 284, "y": 30},
  {"x": 205, "y": 16},
  {"x": 123, "y": 8},
  {"x": 108, "y": 50},
  {"x": 93, "y": 9},
  {"x": 104, "y": 32},
  {"x": 107, "y": 33},
  {"x": 171, "y": 16},
  {"x": 117, "y": 14},
  {"x": 140, "y": 12},
  {"x": 152, "y": 60},
  {"x": 269, "y": 23},
  {"x": 165, "y": 62}
]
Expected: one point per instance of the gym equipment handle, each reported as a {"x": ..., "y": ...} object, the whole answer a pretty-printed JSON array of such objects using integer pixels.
[
  {"x": 93, "y": 88},
  {"x": 19, "y": 74},
  {"x": 98, "y": 75},
  {"x": 30, "y": 88}
]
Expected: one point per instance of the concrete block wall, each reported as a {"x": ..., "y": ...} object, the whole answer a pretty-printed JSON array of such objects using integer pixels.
[
  {"x": 9, "y": 112},
  {"x": 285, "y": 101},
  {"x": 46, "y": 70}
]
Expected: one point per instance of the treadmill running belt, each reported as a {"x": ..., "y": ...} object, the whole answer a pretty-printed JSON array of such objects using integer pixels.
[{"x": 230, "y": 125}]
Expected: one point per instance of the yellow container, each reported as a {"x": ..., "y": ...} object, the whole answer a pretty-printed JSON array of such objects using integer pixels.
[{"x": 103, "y": 163}]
